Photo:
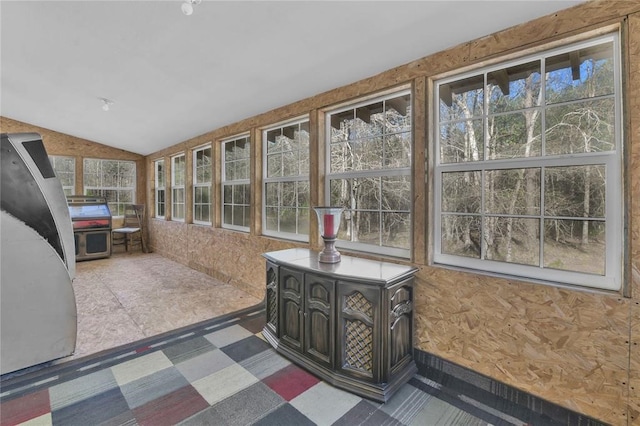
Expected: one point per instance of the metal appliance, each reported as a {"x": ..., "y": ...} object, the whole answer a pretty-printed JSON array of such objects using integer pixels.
[
  {"x": 38, "y": 318},
  {"x": 91, "y": 219}
]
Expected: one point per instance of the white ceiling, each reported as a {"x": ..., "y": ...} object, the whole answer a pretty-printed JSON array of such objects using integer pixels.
[{"x": 173, "y": 77}]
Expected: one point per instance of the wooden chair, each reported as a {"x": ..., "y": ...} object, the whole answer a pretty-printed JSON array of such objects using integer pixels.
[{"x": 131, "y": 234}]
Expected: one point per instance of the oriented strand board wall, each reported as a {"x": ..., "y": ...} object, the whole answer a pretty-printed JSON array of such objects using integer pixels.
[
  {"x": 232, "y": 257},
  {"x": 633, "y": 105},
  {"x": 61, "y": 144},
  {"x": 576, "y": 348},
  {"x": 566, "y": 346}
]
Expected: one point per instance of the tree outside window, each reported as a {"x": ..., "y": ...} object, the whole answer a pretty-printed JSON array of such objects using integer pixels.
[
  {"x": 114, "y": 180},
  {"x": 65, "y": 170},
  {"x": 286, "y": 180},
  {"x": 160, "y": 188},
  {"x": 178, "y": 177},
  {"x": 369, "y": 173},
  {"x": 202, "y": 185},
  {"x": 527, "y": 174},
  {"x": 236, "y": 184}
]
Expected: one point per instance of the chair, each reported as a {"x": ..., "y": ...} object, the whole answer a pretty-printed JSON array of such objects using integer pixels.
[{"x": 131, "y": 234}]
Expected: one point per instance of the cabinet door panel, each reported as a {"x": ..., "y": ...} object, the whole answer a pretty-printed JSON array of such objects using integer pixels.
[
  {"x": 319, "y": 317},
  {"x": 401, "y": 325},
  {"x": 358, "y": 334},
  {"x": 291, "y": 312}
]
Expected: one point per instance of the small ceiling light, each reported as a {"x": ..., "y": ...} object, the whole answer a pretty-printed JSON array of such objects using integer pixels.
[
  {"x": 187, "y": 6},
  {"x": 106, "y": 104}
]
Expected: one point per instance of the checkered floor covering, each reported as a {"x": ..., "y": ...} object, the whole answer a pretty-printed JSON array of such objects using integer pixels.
[{"x": 217, "y": 373}]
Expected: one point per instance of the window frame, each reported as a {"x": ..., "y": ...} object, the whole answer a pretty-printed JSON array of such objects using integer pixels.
[
  {"x": 224, "y": 182},
  {"x": 381, "y": 172},
  {"x": 612, "y": 161},
  {"x": 175, "y": 187},
  {"x": 284, "y": 179},
  {"x": 118, "y": 188},
  {"x": 160, "y": 188},
  {"x": 53, "y": 159},
  {"x": 197, "y": 184}
]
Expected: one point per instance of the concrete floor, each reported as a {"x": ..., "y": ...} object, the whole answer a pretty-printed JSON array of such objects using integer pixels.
[{"x": 131, "y": 296}]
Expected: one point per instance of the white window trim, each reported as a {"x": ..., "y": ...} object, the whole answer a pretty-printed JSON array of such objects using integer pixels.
[
  {"x": 160, "y": 188},
  {"x": 174, "y": 187},
  {"x": 197, "y": 184},
  {"x": 265, "y": 180},
  {"x": 614, "y": 214},
  {"x": 232, "y": 182},
  {"x": 357, "y": 246}
]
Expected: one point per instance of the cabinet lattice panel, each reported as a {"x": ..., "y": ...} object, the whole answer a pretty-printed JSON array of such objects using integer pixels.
[
  {"x": 272, "y": 298},
  {"x": 357, "y": 302},
  {"x": 359, "y": 345}
]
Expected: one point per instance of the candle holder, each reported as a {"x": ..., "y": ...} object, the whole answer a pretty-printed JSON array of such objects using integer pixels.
[{"x": 329, "y": 222}]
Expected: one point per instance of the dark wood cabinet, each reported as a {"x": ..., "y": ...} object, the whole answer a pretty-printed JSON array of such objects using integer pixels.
[{"x": 350, "y": 323}]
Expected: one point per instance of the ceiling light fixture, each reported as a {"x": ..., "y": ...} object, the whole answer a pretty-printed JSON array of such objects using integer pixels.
[
  {"x": 106, "y": 104},
  {"x": 187, "y": 6}
]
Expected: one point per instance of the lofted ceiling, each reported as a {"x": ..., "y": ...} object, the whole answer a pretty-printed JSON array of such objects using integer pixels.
[{"x": 172, "y": 77}]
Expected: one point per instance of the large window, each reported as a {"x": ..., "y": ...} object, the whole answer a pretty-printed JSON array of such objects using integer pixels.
[
  {"x": 528, "y": 172},
  {"x": 113, "y": 179},
  {"x": 65, "y": 169},
  {"x": 369, "y": 173},
  {"x": 160, "y": 188},
  {"x": 236, "y": 185},
  {"x": 178, "y": 177},
  {"x": 286, "y": 181},
  {"x": 202, "y": 185}
]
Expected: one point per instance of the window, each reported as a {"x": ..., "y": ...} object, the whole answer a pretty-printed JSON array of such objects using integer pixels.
[
  {"x": 160, "y": 188},
  {"x": 528, "y": 172},
  {"x": 286, "y": 181},
  {"x": 113, "y": 179},
  {"x": 369, "y": 174},
  {"x": 65, "y": 169},
  {"x": 178, "y": 177},
  {"x": 202, "y": 185},
  {"x": 236, "y": 186}
]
